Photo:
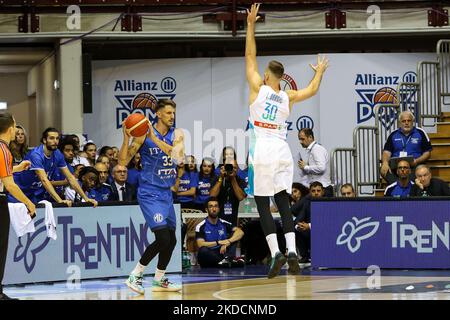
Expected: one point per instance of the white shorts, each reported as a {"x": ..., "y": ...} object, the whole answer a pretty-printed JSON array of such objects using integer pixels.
[{"x": 271, "y": 167}]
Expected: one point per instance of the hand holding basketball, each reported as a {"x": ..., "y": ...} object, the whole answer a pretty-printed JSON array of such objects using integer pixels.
[
  {"x": 322, "y": 64},
  {"x": 126, "y": 132},
  {"x": 136, "y": 125}
]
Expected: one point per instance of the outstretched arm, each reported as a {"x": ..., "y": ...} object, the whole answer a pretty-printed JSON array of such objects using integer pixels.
[
  {"x": 253, "y": 78},
  {"x": 313, "y": 87}
]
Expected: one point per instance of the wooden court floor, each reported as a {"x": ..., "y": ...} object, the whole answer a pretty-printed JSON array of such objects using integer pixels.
[{"x": 250, "y": 283}]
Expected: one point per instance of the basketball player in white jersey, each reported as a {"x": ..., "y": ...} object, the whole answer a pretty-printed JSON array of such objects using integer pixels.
[{"x": 271, "y": 166}]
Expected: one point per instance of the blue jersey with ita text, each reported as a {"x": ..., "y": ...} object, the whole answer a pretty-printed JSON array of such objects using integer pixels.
[{"x": 158, "y": 170}]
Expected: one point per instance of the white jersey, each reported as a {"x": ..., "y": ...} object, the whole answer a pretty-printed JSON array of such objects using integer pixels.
[
  {"x": 268, "y": 114},
  {"x": 271, "y": 167}
]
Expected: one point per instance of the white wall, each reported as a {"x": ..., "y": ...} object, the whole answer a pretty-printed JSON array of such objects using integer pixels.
[{"x": 214, "y": 91}]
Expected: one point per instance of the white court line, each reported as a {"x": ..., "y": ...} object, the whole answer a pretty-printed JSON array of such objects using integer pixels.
[{"x": 218, "y": 294}]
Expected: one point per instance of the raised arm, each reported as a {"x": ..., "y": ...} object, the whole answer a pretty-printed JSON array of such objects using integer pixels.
[
  {"x": 253, "y": 78},
  {"x": 313, "y": 87},
  {"x": 127, "y": 151}
]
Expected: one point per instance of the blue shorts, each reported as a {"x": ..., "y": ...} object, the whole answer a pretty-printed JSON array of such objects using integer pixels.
[{"x": 157, "y": 207}]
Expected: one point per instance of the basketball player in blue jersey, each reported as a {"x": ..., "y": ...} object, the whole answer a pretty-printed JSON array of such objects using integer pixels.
[
  {"x": 160, "y": 149},
  {"x": 46, "y": 160},
  {"x": 271, "y": 165}
]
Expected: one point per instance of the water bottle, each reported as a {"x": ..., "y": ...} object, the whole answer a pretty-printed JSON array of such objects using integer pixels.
[
  {"x": 186, "y": 260},
  {"x": 247, "y": 206}
]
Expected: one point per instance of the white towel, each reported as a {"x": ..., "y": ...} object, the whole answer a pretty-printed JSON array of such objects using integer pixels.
[
  {"x": 50, "y": 223},
  {"x": 20, "y": 219}
]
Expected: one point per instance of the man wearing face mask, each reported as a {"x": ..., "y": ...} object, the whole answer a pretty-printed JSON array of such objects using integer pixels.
[{"x": 407, "y": 141}]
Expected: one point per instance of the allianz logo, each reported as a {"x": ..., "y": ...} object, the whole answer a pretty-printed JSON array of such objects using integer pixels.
[{"x": 403, "y": 235}]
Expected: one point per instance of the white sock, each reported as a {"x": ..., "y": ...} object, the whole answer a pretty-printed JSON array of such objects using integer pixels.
[
  {"x": 138, "y": 269},
  {"x": 290, "y": 242},
  {"x": 159, "y": 274},
  {"x": 273, "y": 243}
]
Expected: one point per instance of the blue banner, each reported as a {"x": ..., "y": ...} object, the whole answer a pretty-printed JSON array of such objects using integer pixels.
[
  {"x": 402, "y": 234},
  {"x": 92, "y": 243}
]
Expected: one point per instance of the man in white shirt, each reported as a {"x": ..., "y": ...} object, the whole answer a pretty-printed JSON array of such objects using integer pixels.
[{"x": 317, "y": 164}]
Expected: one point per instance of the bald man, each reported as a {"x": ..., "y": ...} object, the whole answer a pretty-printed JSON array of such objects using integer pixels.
[
  {"x": 103, "y": 191},
  {"x": 427, "y": 186},
  {"x": 121, "y": 189}
]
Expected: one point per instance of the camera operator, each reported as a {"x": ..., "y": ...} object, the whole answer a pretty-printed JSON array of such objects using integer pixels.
[{"x": 229, "y": 189}]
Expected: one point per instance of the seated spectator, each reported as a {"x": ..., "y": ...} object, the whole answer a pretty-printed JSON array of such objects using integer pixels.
[
  {"x": 107, "y": 151},
  {"x": 188, "y": 184},
  {"x": 229, "y": 190},
  {"x": 215, "y": 238},
  {"x": 407, "y": 141},
  {"x": 68, "y": 150},
  {"x": 78, "y": 158},
  {"x": 77, "y": 168},
  {"x": 104, "y": 160},
  {"x": 115, "y": 158},
  {"x": 402, "y": 187},
  {"x": 103, "y": 190},
  {"x": 19, "y": 146},
  {"x": 347, "y": 191},
  {"x": 91, "y": 153},
  {"x": 298, "y": 192},
  {"x": 88, "y": 179},
  {"x": 317, "y": 164},
  {"x": 121, "y": 189},
  {"x": 45, "y": 161},
  {"x": 206, "y": 177},
  {"x": 427, "y": 186},
  {"x": 302, "y": 211},
  {"x": 134, "y": 169}
]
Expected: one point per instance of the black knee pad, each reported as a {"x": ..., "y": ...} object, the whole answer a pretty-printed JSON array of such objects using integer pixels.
[
  {"x": 173, "y": 239},
  {"x": 163, "y": 239}
]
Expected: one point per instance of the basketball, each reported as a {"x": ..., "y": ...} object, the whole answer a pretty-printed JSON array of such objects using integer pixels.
[
  {"x": 386, "y": 95},
  {"x": 144, "y": 100},
  {"x": 137, "y": 123}
]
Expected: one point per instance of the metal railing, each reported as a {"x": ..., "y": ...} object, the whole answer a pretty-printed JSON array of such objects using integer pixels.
[
  {"x": 424, "y": 98},
  {"x": 366, "y": 168},
  {"x": 428, "y": 96},
  {"x": 386, "y": 121},
  {"x": 443, "y": 52},
  {"x": 343, "y": 170},
  {"x": 408, "y": 98}
]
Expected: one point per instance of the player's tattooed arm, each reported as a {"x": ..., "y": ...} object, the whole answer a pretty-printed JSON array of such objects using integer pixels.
[
  {"x": 313, "y": 87},
  {"x": 178, "y": 147},
  {"x": 176, "y": 152},
  {"x": 127, "y": 152}
]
